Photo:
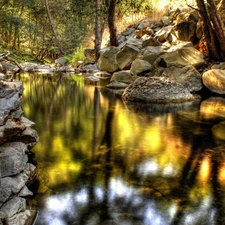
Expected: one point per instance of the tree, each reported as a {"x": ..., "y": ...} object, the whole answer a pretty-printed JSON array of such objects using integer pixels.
[
  {"x": 98, "y": 33},
  {"x": 111, "y": 23},
  {"x": 213, "y": 29},
  {"x": 53, "y": 28}
]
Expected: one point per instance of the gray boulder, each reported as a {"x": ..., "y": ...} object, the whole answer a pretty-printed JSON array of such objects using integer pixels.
[
  {"x": 140, "y": 67},
  {"x": 188, "y": 76},
  {"x": 151, "y": 53},
  {"x": 125, "y": 56},
  {"x": 107, "y": 61},
  {"x": 13, "y": 158},
  {"x": 156, "y": 89}
]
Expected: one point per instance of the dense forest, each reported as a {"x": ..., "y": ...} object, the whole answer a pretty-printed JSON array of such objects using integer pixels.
[
  {"x": 47, "y": 29},
  {"x": 39, "y": 27}
]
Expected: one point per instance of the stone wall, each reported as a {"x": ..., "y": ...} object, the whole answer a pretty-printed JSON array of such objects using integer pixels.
[{"x": 17, "y": 138}]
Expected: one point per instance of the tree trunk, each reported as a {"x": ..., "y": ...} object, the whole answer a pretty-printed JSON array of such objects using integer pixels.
[
  {"x": 98, "y": 33},
  {"x": 218, "y": 27},
  {"x": 53, "y": 28},
  {"x": 212, "y": 29},
  {"x": 111, "y": 23}
]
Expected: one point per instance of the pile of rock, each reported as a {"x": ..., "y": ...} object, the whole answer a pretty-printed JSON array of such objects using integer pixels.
[
  {"x": 17, "y": 138},
  {"x": 165, "y": 50}
]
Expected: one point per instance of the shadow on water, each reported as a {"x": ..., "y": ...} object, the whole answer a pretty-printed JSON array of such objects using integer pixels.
[{"x": 104, "y": 161}]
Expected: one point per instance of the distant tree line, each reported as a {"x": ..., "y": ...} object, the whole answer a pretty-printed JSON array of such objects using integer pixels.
[{"x": 49, "y": 28}]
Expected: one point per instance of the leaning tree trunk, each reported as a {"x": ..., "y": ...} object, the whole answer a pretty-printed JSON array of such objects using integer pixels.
[
  {"x": 53, "y": 28},
  {"x": 213, "y": 30},
  {"x": 111, "y": 23}
]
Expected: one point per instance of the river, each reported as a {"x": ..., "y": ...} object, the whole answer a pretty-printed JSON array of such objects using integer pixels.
[{"x": 101, "y": 161}]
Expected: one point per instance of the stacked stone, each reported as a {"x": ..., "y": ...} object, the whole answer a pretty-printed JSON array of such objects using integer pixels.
[{"x": 17, "y": 138}]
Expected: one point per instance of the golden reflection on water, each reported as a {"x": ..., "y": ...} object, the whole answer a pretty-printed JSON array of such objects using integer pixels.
[{"x": 88, "y": 137}]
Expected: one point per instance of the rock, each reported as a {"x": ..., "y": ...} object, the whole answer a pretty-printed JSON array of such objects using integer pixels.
[
  {"x": 25, "y": 192},
  {"x": 9, "y": 67},
  {"x": 151, "y": 42},
  {"x": 164, "y": 34},
  {"x": 126, "y": 56},
  {"x": 156, "y": 89},
  {"x": 180, "y": 58},
  {"x": 13, "y": 158},
  {"x": 90, "y": 67},
  {"x": 13, "y": 206},
  {"x": 11, "y": 186},
  {"x": 151, "y": 53},
  {"x": 214, "y": 80},
  {"x": 165, "y": 20},
  {"x": 107, "y": 61},
  {"x": 188, "y": 76},
  {"x": 139, "y": 67},
  {"x": 29, "y": 67},
  {"x": 122, "y": 76},
  {"x": 186, "y": 31},
  {"x": 16, "y": 139},
  {"x": 20, "y": 218},
  {"x": 10, "y": 93},
  {"x": 144, "y": 24},
  {"x": 117, "y": 85},
  {"x": 128, "y": 31},
  {"x": 103, "y": 74},
  {"x": 143, "y": 34},
  {"x": 137, "y": 43}
]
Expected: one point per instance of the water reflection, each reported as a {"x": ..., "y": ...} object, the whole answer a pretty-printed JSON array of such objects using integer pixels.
[{"x": 104, "y": 161}]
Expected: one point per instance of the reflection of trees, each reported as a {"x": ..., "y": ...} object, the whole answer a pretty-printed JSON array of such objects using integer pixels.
[
  {"x": 199, "y": 151},
  {"x": 89, "y": 136},
  {"x": 101, "y": 207}
]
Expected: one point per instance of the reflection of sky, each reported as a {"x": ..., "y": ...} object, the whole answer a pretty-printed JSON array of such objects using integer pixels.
[
  {"x": 120, "y": 196},
  {"x": 150, "y": 167},
  {"x": 122, "y": 200}
]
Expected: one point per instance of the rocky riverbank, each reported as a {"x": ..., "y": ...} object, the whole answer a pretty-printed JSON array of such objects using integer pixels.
[{"x": 17, "y": 138}]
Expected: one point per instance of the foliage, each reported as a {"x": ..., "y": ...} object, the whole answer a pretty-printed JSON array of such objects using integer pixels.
[
  {"x": 25, "y": 26},
  {"x": 76, "y": 55}
]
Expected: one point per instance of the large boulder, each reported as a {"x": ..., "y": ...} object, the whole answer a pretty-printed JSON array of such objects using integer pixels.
[
  {"x": 107, "y": 61},
  {"x": 156, "y": 89},
  {"x": 214, "y": 80},
  {"x": 126, "y": 55},
  {"x": 188, "y": 76},
  {"x": 180, "y": 58},
  {"x": 151, "y": 53}
]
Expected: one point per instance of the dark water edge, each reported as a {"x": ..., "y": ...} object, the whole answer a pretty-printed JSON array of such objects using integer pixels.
[{"x": 103, "y": 161}]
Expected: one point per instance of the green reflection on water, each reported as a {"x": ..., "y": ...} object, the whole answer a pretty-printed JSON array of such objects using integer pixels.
[{"x": 89, "y": 138}]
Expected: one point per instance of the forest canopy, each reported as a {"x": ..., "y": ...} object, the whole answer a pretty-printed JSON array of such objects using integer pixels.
[
  {"x": 25, "y": 24},
  {"x": 50, "y": 28}
]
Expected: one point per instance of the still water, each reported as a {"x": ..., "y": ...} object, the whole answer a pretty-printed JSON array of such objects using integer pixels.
[{"x": 101, "y": 161}]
